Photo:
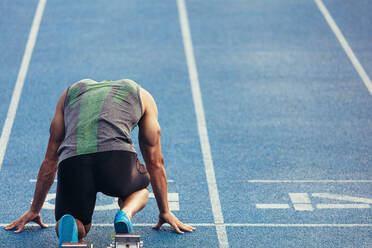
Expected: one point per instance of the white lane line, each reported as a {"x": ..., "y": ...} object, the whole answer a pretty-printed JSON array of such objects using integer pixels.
[
  {"x": 341, "y": 206},
  {"x": 299, "y": 197},
  {"x": 272, "y": 206},
  {"x": 301, "y": 201},
  {"x": 309, "y": 181},
  {"x": 7, "y": 128},
  {"x": 174, "y": 206},
  {"x": 171, "y": 196},
  {"x": 349, "y": 52},
  {"x": 202, "y": 127},
  {"x": 295, "y": 225},
  {"x": 34, "y": 181},
  {"x": 342, "y": 197},
  {"x": 232, "y": 225},
  {"x": 303, "y": 207}
]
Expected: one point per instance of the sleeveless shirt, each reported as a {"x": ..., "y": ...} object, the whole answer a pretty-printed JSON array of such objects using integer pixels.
[{"x": 99, "y": 116}]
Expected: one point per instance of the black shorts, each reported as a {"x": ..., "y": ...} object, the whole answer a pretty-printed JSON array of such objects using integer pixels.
[{"x": 114, "y": 173}]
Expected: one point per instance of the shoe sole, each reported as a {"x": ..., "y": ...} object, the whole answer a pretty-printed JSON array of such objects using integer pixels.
[
  {"x": 67, "y": 230},
  {"x": 121, "y": 227}
]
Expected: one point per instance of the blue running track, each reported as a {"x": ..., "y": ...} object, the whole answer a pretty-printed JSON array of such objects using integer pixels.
[{"x": 288, "y": 115}]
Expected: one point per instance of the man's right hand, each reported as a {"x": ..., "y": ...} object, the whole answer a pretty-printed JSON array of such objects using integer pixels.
[
  {"x": 174, "y": 222},
  {"x": 29, "y": 216}
]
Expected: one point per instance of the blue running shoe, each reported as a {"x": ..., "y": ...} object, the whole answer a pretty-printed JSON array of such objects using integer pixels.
[
  {"x": 67, "y": 231},
  {"x": 122, "y": 223}
]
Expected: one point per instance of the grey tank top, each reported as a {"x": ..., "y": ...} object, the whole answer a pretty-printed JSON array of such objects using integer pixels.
[{"x": 99, "y": 116}]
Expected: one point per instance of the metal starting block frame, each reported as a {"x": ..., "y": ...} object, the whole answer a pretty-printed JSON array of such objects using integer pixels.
[
  {"x": 126, "y": 241},
  {"x": 120, "y": 241}
]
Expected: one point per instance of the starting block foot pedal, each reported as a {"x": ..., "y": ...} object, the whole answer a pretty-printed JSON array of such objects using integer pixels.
[
  {"x": 127, "y": 241},
  {"x": 75, "y": 245}
]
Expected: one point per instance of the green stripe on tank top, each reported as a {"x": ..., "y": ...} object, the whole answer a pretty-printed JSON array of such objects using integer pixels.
[
  {"x": 72, "y": 93},
  {"x": 90, "y": 108},
  {"x": 123, "y": 92}
]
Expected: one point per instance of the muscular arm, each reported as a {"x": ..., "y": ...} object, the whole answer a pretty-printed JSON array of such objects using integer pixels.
[
  {"x": 49, "y": 165},
  {"x": 149, "y": 141},
  {"x": 47, "y": 171}
]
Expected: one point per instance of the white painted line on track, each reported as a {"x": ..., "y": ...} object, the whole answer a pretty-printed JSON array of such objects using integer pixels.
[
  {"x": 7, "y": 128},
  {"x": 341, "y": 206},
  {"x": 299, "y": 197},
  {"x": 309, "y": 181},
  {"x": 174, "y": 206},
  {"x": 295, "y": 225},
  {"x": 342, "y": 197},
  {"x": 202, "y": 127},
  {"x": 272, "y": 206},
  {"x": 233, "y": 225},
  {"x": 349, "y": 52},
  {"x": 301, "y": 201},
  {"x": 171, "y": 196},
  {"x": 303, "y": 207},
  {"x": 34, "y": 181}
]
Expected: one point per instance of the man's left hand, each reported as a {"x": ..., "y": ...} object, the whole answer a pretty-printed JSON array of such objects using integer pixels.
[{"x": 27, "y": 217}]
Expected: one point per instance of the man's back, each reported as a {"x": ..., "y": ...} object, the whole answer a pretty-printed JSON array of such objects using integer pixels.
[{"x": 99, "y": 116}]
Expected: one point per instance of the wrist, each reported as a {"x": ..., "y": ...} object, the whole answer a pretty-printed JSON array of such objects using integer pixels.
[
  {"x": 165, "y": 211},
  {"x": 34, "y": 209}
]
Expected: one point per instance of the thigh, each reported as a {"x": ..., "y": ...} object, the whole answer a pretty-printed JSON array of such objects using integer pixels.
[
  {"x": 76, "y": 191},
  {"x": 120, "y": 174}
]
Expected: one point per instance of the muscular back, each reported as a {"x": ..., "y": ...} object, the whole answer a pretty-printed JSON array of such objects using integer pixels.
[{"x": 99, "y": 116}]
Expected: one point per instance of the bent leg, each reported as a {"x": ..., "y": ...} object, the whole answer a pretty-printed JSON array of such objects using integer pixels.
[
  {"x": 123, "y": 175},
  {"x": 76, "y": 193},
  {"x": 134, "y": 203}
]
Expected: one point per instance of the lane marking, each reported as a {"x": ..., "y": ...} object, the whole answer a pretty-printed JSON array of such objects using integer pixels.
[
  {"x": 48, "y": 205},
  {"x": 303, "y": 207},
  {"x": 34, "y": 181},
  {"x": 174, "y": 206},
  {"x": 202, "y": 127},
  {"x": 301, "y": 201},
  {"x": 342, "y": 197},
  {"x": 299, "y": 197},
  {"x": 7, "y": 128},
  {"x": 349, "y": 52},
  {"x": 309, "y": 181},
  {"x": 272, "y": 206},
  {"x": 171, "y": 196},
  {"x": 231, "y": 225},
  {"x": 173, "y": 200},
  {"x": 296, "y": 225},
  {"x": 342, "y": 206}
]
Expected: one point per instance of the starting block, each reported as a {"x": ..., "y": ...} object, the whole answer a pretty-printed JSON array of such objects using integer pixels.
[
  {"x": 120, "y": 241},
  {"x": 126, "y": 241}
]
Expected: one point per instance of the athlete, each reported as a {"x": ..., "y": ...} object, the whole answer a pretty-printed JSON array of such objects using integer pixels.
[{"x": 91, "y": 147}]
